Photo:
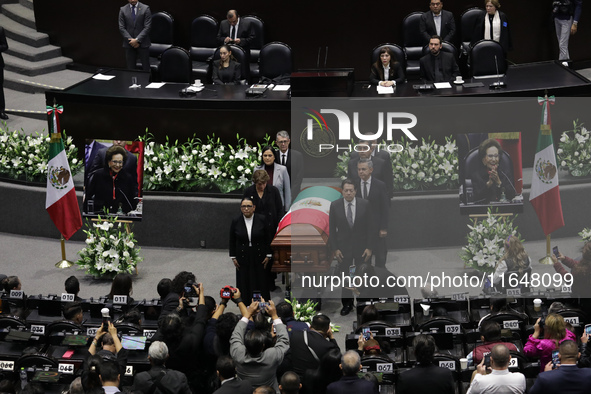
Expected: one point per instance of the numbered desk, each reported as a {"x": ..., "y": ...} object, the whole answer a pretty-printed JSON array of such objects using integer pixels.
[{"x": 442, "y": 307}]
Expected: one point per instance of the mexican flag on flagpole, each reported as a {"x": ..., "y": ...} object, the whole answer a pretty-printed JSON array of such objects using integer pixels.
[
  {"x": 545, "y": 194},
  {"x": 60, "y": 202}
]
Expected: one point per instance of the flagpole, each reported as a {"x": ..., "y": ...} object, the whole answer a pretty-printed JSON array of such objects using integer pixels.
[
  {"x": 63, "y": 263},
  {"x": 547, "y": 260}
]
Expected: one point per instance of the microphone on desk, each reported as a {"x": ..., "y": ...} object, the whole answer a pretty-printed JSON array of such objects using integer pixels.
[
  {"x": 509, "y": 180},
  {"x": 318, "y": 59},
  {"x": 325, "y": 56},
  {"x": 498, "y": 84},
  {"x": 127, "y": 199}
]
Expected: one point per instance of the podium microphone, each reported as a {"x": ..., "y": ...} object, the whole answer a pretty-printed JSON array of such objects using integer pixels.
[
  {"x": 318, "y": 59},
  {"x": 498, "y": 84},
  {"x": 325, "y": 56}
]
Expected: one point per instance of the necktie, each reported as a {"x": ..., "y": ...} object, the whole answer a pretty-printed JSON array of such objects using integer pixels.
[
  {"x": 133, "y": 13},
  {"x": 365, "y": 190},
  {"x": 87, "y": 155},
  {"x": 283, "y": 159},
  {"x": 350, "y": 215},
  {"x": 233, "y": 33}
]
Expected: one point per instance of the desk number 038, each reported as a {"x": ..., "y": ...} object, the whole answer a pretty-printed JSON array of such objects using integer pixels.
[{"x": 546, "y": 279}]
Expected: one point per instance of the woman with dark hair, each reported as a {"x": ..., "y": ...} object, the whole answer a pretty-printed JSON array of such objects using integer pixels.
[
  {"x": 514, "y": 265},
  {"x": 11, "y": 283},
  {"x": 425, "y": 377},
  {"x": 386, "y": 71},
  {"x": 121, "y": 286},
  {"x": 316, "y": 380},
  {"x": 266, "y": 198},
  {"x": 370, "y": 313},
  {"x": 554, "y": 334},
  {"x": 493, "y": 25},
  {"x": 580, "y": 271},
  {"x": 493, "y": 179},
  {"x": 278, "y": 176},
  {"x": 109, "y": 188},
  {"x": 226, "y": 70}
]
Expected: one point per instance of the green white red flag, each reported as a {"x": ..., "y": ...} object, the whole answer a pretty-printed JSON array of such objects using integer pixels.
[
  {"x": 60, "y": 202},
  {"x": 545, "y": 194}
]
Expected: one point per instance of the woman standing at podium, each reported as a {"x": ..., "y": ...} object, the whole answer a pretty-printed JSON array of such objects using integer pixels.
[{"x": 226, "y": 71}]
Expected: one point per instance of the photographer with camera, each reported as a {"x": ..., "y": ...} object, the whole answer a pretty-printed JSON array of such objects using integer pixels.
[
  {"x": 548, "y": 334},
  {"x": 255, "y": 361},
  {"x": 107, "y": 340},
  {"x": 177, "y": 300}
]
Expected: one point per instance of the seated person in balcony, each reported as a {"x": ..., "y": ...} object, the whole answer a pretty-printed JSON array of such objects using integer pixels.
[
  {"x": 72, "y": 286},
  {"x": 386, "y": 71},
  {"x": 500, "y": 379},
  {"x": 490, "y": 335},
  {"x": 73, "y": 312},
  {"x": 122, "y": 286},
  {"x": 493, "y": 178},
  {"x": 438, "y": 66},
  {"x": 226, "y": 70}
]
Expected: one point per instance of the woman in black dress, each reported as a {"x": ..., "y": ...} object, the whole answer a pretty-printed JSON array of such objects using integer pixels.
[
  {"x": 266, "y": 198},
  {"x": 226, "y": 71}
]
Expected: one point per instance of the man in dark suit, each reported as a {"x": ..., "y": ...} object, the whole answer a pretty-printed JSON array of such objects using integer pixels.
[
  {"x": 438, "y": 66},
  {"x": 438, "y": 22},
  {"x": 350, "y": 383},
  {"x": 3, "y": 48},
  {"x": 567, "y": 378},
  {"x": 230, "y": 383},
  {"x": 135, "y": 21},
  {"x": 293, "y": 160},
  {"x": 91, "y": 149},
  {"x": 163, "y": 379},
  {"x": 351, "y": 234},
  {"x": 382, "y": 165},
  {"x": 235, "y": 30},
  {"x": 319, "y": 338},
  {"x": 374, "y": 190}
]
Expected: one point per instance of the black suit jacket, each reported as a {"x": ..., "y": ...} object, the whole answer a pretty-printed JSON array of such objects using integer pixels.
[
  {"x": 3, "y": 46},
  {"x": 568, "y": 379},
  {"x": 351, "y": 385},
  {"x": 139, "y": 30},
  {"x": 426, "y": 380},
  {"x": 129, "y": 167},
  {"x": 295, "y": 169},
  {"x": 174, "y": 381},
  {"x": 505, "y": 39},
  {"x": 450, "y": 68},
  {"x": 96, "y": 147},
  {"x": 378, "y": 200},
  {"x": 300, "y": 357},
  {"x": 235, "y": 386},
  {"x": 245, "y": 32},
  {"x": 351, "y": 241},
  {"x": 259, "y": 238},
  {"x": 382, "y": 170},
  {"x": 396, "y": 74},
  {"x": 270, "y": 205},
  {"x": 448, "y": 26}
]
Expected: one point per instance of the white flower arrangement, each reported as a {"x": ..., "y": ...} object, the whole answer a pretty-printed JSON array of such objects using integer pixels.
[
  {"x": 486, "y": 241},
  {"x": 24, "y": 157},
  {"x": 585, "y": 235},
  {"x": 109, "y": 249},
  {"x": 306, "y": 311},
  {"x": 574, "y": 150}
]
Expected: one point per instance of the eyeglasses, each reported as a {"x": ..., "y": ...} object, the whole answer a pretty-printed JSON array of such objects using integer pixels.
[
  {"x": 118, "y": 162},
  {"x": 281, "y": 142},
  {"x": 492, "y": 156},
  {"x": 436, "y": 4},
  {"x": 246, "y": 206}
]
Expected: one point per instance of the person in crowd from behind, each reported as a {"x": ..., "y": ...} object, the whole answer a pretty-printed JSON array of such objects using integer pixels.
[
  {"x": 350, "y": 382},
  {"x": 72, "y": 286},
  {"x": 285, "y": 313},
  {"x": 166, "y": 381},
  {"x": 500, "y": 380},
  {"x": 75, "y": 387},
  {"x": 226, "y": 70},
  {"x": 292, "y": 159},
  {"x": 107, "y": 345},
  {"x": 370, "y": 313},
  {"x": 163, "y": 287},
  {"x": 91, "y": 382},
  {"x": 490, "y": 336},
  {"x": 109, "y": 187},
  {"x": 319, "y": 338},
  {"x": 175, "y": 299},
  {"x": 11, "y": 283},
  {"x": 580, "y": 271},
  {"x": 386, "y": 71},
  {"x": 72, "y": 311},
  {"x": 110, "y": 376},
  {"x": 278, "y": 175},
  {"x": 264, "y": 390},
  {"x": 493, "y": 179},
  {"x": 515, "y": 265},
  {"x": 122, "y": 286},
  {"x": 317, "y": 379},
  {"x": 425, "y": 377},
  {"x": 290, "y": 383},
  {"x": 541, "y": 343},
  {"x": 566, "y": 14},
  {"x": 438, "y": 65},
  {"x": 493, "y": 25},
  {"x": 266, "y": 199},
  {"x": 230, "y": 383},
  {"x": 250, "y": 251},
  {"x": 184, "y": 338},
  {"x": 255, "y": 361},
  {"x": 439, "y": 22},
  {"x": 565, "y": 377}
]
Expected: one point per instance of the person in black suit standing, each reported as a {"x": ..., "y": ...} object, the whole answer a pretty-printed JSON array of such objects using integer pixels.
[
  {"x": 382, "y": 164},
  {"x": 292, "y": 159},
  {"x": 230, "y": 383},
  {"x": 374, "y": 190},
  {"x": 135, "y": 22},
  {"x": 351, "y": 234},
  {"x": 438, "y": 22},
  {"x": 425, "y": 377},
  {"x": 235, "y": 30},
  {"x": 438, "y": 66},
  {"x": 250, "y": 250},
  {"x": 567, "y": 377},
  {"x": 3, "y": 48}
]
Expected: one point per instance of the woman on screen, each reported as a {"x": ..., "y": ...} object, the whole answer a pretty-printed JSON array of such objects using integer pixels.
[
  {"x": 226, "y": 71},
  {"x": 386, "y": 71},
  {"x": 493, "y": 180}
]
